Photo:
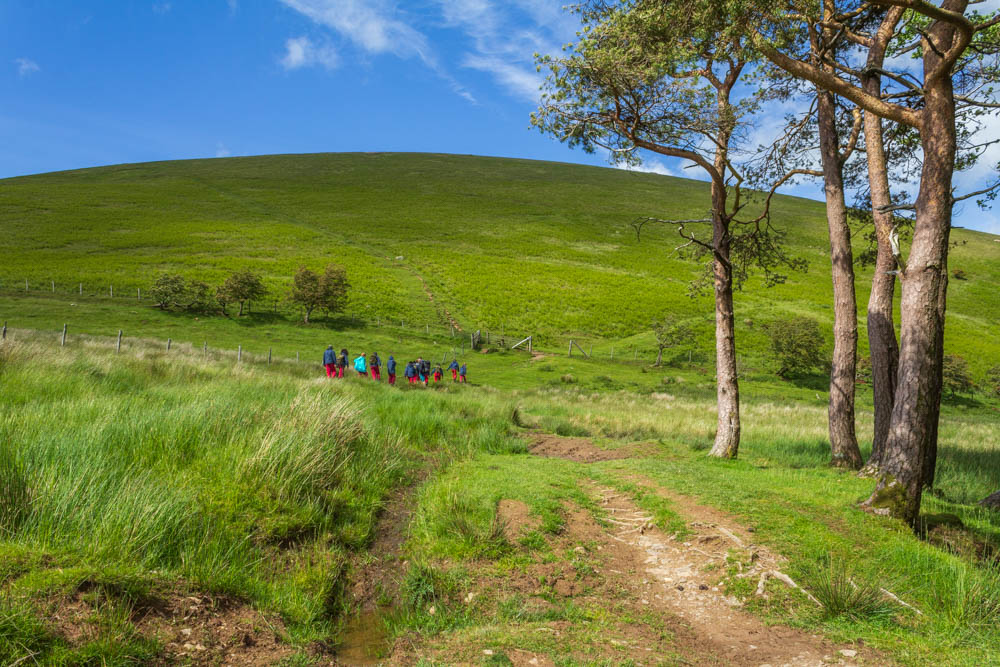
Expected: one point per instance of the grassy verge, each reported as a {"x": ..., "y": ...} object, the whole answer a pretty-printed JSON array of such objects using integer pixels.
[{"x": 141, "y": 476}]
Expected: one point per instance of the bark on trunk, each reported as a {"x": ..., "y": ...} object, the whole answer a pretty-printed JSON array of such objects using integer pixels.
[
  {"x": 913, "y": 426},
  {"x": 727, "y": 434},
  {"x": 882, "y": 345},
  {"x": 843, "y": 440}
]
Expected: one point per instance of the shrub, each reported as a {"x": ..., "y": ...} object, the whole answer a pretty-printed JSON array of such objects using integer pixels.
[
  {"x": 168, "y": 290},
  {"x": 797, "y": 345},
  {"x": 955, "y": 375},
  {"x": 242, "y": 287},
  {"x": 958, "y": 274},
  {"x": 993, "y": 380},
  {"x": 327, "y": 291}
]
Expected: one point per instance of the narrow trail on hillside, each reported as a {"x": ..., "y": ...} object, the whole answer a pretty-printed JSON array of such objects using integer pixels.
[{"x": 680, "y": 576}]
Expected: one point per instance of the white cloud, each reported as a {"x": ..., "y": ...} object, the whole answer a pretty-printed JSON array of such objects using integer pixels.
[
  {"x": 520, "y": 81},
  {"x": 161, "y": 7},
  {"x": 505, "y": 36},
  {"x": 26, "y": 66},
  {"x": 376, "y": 27},
  {"x": 221, "y": 150},
  {"x": 301, "y": 52},
  {"x": 233, "y": 5},
  {"x": 653, "y": 166},
  {"x": 368, "y": 24}
]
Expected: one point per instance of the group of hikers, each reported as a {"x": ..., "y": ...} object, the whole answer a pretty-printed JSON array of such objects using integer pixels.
[{"x": 415, "y": 372}]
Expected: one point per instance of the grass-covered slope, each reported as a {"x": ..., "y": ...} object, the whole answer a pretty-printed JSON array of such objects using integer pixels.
[{"x": 535, "y": 247}]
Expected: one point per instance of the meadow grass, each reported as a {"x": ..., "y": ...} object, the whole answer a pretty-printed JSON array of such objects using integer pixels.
[
  {"x": 174, "y": 472},
  {"x": 528, "y": 247},
  {"x": 148, "y": 472}
]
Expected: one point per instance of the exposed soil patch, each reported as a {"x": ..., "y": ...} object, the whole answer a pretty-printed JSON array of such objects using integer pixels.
[
  {"x": 580, "y": 450},
  {"x": 516, "y": 519},
  {"x": 683, "y": 577},
  {"x": 192, "y": 628}
]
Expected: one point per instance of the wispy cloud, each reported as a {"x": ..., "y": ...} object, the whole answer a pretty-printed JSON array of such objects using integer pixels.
[
  {"x": 519, "y": 81},
  {"x": 504, "y": 37},
  {"x": 371, "y": 25},
  {"x": 221, "y": 150},
  {"x": 26, "y": 66},
  {"x": 377, "y": 27},
  {"x": 301, "y": 52},
  {"x": 234, "y": 5},
  {"x": 161, "y": 8}
]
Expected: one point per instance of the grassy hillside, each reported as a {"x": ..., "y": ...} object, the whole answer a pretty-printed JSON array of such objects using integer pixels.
[{"x": 533, "y": 247}]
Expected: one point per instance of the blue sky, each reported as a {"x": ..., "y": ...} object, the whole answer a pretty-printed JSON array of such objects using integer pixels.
[{"x": 87, "y": 83}]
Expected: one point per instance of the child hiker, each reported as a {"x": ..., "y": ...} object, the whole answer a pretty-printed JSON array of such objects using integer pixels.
[
  {"x": 453, "y": 367},
  {"x": 410, "y": 372},
  {"x": 390, "y": 368},
  {"x": 376, "y": 364},
  {"x": 461, "y": 374},
  {"x": 330, "y": 361},
  {"x": 361, "y": 366},
  {"x": 342, "y": 362},
  {"x": 437, "y": 374}
]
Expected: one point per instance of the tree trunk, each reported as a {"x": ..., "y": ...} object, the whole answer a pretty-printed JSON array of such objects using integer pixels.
[
  {"x": 727, "y": 435},
  {"x": 913, "y": 426},
  {"x": 240, "y": 314},
  {"x": 843, "y": 441},
  {"x": 308, "y": 312},
  {"x": 659, "y": 357},
  {"x": 882, "y": 345}
]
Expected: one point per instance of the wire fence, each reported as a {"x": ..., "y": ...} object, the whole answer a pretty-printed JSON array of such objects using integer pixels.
[{"x": 456, "y": 338}]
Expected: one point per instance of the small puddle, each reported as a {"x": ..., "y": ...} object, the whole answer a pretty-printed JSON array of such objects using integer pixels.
[{"x": 365, "y": 641}]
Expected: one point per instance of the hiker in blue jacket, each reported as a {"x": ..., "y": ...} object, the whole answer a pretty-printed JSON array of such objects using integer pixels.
[
  {"x": 376, "y": 364},
  {"x": 453, "y": 367},
  {"x": 461, "y": 374},
  {"x": 361, "y": 366},
  {"x": 390, "y": 368},
  {"x": 330, "y": 361},
  {"x": 410, "y": 372},
  {"x": 342, "y": 362}
]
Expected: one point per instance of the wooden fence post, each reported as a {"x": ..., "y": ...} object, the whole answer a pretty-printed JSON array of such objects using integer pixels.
[
  {"x": 63, "y": 344},
  {"x": 118, "y": 347},
  {"x": 81, "y": 289},
  {"x": 168, "y": 344},
  {"x": 296, "y": 357},
  {"x": 138, "y": 294},
  {"x": 268, "y": 356},
  {"x": 635, "y": 354},
  {"x": 53, "y": 286},
  {"x": 112, "y": 291},
  {"x": 612, "y": 353},
  {"x": 239, "y": 353},
  {"x": 570, "y": 353},
  {"x": 25, "y": 284},
  {"x": 4, "y": 335},
  {"x": 205, "y": 349},
  {"x": 427, "y": 329}
]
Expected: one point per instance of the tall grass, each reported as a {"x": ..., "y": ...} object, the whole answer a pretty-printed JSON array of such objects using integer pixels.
[{"x": 251, "y": 482}]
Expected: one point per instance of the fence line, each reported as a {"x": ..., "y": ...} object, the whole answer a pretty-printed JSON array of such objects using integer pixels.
[{"x": 475, "y": 340}]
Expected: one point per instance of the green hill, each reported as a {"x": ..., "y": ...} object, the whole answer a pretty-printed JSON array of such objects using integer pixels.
[{"x": 533, "y": 247}]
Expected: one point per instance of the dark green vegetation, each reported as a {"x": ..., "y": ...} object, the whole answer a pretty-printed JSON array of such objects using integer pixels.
[{"x": 533, "y": 247}]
